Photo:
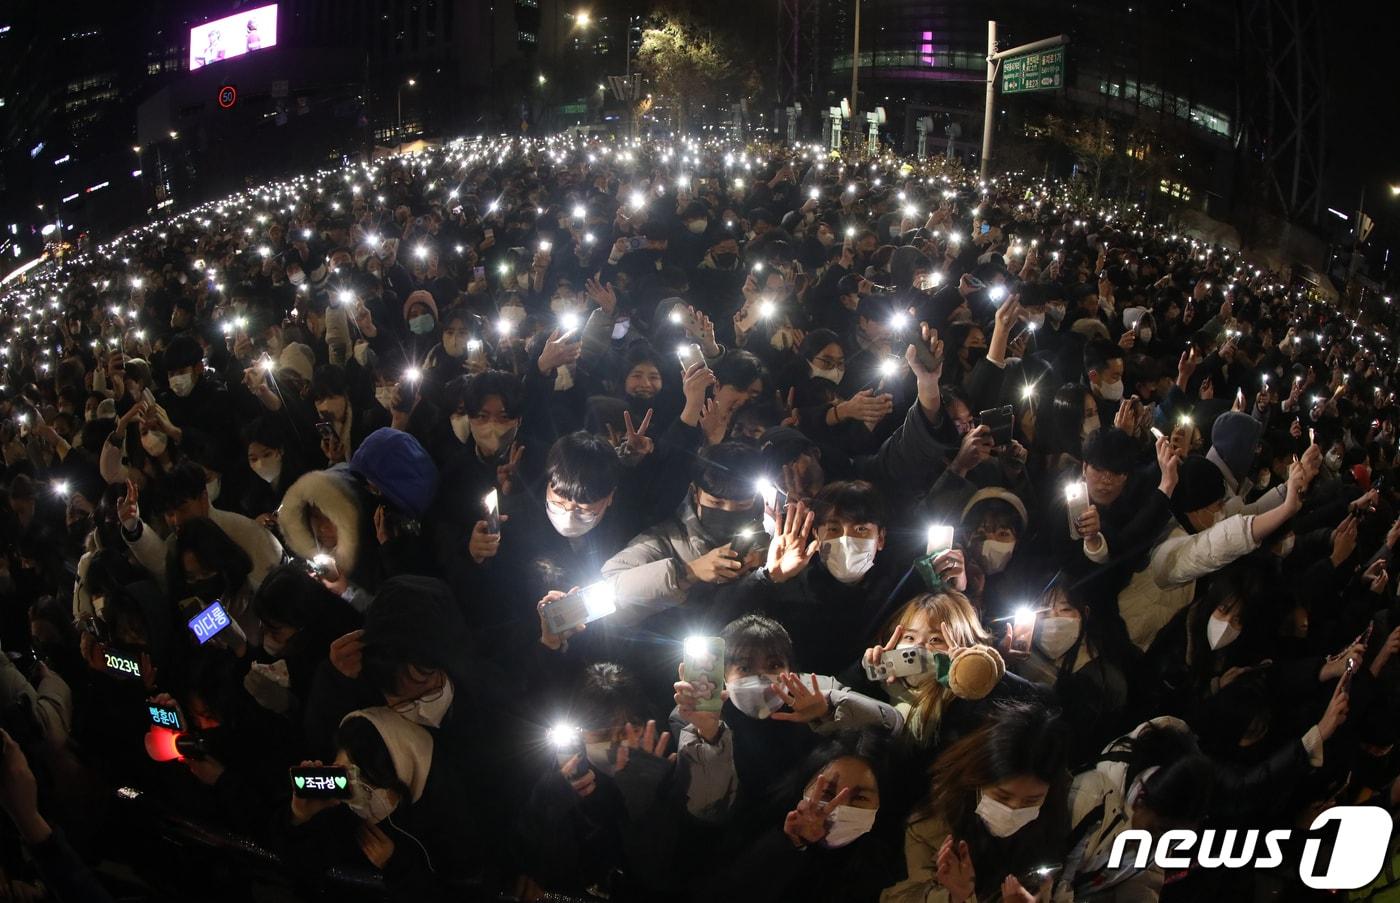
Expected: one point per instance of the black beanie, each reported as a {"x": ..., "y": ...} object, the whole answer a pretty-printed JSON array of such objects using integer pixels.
[{"x": 1200, "y": 484}]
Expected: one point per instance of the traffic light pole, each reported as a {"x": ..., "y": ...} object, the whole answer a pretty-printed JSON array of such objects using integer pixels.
[{"x": 994, "y": 58}]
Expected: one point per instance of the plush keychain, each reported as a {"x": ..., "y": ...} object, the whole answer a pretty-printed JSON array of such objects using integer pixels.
[{"x": 974, "y": 671}]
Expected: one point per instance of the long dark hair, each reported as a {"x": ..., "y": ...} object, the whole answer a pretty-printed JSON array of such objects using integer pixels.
[
  {"x": 1020, "y": 739},
  {"x": 1061, "y": 425}
]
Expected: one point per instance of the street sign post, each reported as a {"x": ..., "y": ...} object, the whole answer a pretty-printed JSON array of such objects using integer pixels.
[{"x": 1040, "y": 71}]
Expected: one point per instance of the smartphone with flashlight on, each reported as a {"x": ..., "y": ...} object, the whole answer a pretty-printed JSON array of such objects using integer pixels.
[
  {"x": 568, "y": 742},
  {"x": 746, "y": 540},
  {"x": 493, "y": 511},
  {"x": 1022, "y": 630},
  {"x": 579, "y": 608},
  {"x": 690, "y": 354},
  {"x": 1076, "y": 503},
  {"x": 704, "y": 670}
]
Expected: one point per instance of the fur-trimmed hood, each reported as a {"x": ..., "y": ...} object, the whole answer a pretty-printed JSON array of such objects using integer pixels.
[{"x": 334, "y": 493}]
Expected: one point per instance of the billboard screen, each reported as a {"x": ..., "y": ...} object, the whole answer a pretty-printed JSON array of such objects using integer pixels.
[{"x": 231, "y": 36}]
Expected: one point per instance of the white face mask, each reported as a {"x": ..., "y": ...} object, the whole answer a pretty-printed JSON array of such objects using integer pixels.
[
  {"x": 1145, "y": 334},
  {"x": 154, "y": 442},
  {"x": 490, "y": 438},
  {"x": 1333, "y": 461},
  {"x": 571, "y": 524},
  {"x": 182, "y": 384},
  {"x": 1056, "y": 313},
  {"x": 429, "y": 712},
  {"x": 995, "y": 554},
  {"x": 848, "y": 824},
  {"x": 622, "y": 327},
  {"x": 697, "y": 226},
  {"x": 1111, "y": 391},
  {"x": 755, "y": 696},
  {"x": 835, "y": 374},
  {"x": 269, "y": 469},
  {"x": 461, "y": 426},
  {"x": 848, "y": 558},
  {"x": 373, "y": 804},
  {"x": 385, "y": 396},
  {"x": 1055, "y": 636},
  {"x": 602, "y": 756},
  {"x": 1001, "y": 820},
  {"x": 1220, "y": 633}
]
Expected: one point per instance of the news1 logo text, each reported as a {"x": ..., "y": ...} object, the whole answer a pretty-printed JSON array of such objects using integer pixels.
[{"x": 1359, "y": 848}]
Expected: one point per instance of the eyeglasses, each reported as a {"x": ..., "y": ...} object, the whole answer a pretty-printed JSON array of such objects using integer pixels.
[{"x": 829, "y": 363}]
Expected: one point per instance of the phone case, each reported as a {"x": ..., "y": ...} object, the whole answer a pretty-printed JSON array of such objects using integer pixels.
[
  {"x": 704, "y": 669},
  {"x": 323, "y": 781},
  {"x": 1075, "y": 507},
  {"x": 905, "y": 661}
]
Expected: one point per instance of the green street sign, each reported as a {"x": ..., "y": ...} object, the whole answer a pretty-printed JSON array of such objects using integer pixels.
[{"x": 1040, "y": 71}]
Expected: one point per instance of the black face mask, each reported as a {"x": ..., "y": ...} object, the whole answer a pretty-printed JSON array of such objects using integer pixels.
[
  {"x": 208, "y": 589},
  {"x": 720, "y": 523},
  {"x": 726, "y": 261}
]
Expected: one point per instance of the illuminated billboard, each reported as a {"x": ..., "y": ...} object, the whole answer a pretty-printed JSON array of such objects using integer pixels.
[{"x": 231, "y": 36}]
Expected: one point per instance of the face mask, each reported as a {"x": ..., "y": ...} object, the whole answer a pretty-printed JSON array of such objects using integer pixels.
[
  {"x": 454, "y": 347},
  {"x": 1334, "y": 461},
  {"x": 570, "y": 524},
  {"x": 1000, "y": 819},
  {"x": 836, "y": 374},
  {"x": 726, "y": 261},
  {"x": 373, "y": 804},
  {"x": 561, "y": 303},
  {"x": 428, "y": 713},
  {"x": 212, "y": 488},
  {"x": 421, "y": 324},
  {"x": 1286, "y": 547},
  {"x": 1220, "y": 633},
  {"x": 621, "y": 328},
  {"x": 385, "y": 396},
  {"x": 512, "y": 314},
  {"x": 1145, "y": 334},
  {"x": 154, "y": 442},
  {"x": 1111, "y": 391},
  {"x": 602, "y": 756},
  {"x": 721, "y": 523},
  {"x": 755, "y": 696},
  {"x": 976, "y": 353},
  {"x": 1056, "y": 313},
  {"x": 1037, "y": 320},
  {"x": 848, "y": 558},
  {"x": 697, "y": 226},
  {"x": 847, "y": 825},
  {"x": 182, "y": 384},
  {"x": 1055, "y": 636},
  {"x": 296, "y": 277},
  {"x": 1091, "y": 426},
  {"x": 490, "y": 438},
  {"x": 269, "y": 469},
  {"x": 995, "y": 554}
]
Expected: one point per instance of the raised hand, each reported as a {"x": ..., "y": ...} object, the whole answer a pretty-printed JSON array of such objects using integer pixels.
[
  {"x": 505, "y": 473},
  {"x": 705, "y": 723},
  {"x": 807, "y": 703},
  {"x": 636, "y": 445},
  {"x": 642, "y": 741},
  {"x": 559, "y": 351},
  {"x": 954, "y": 869},
  {"x": 789, "y": 553},
  {"x": 808, "y": 823},
  {"x": 602, "y": 295}
]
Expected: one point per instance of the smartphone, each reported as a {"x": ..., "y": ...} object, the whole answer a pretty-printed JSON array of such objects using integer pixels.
[
  {"x": 690, "y": 354},
  {"x": 210, "y": 622},
  {"x": 905, "y": 661},
  {"x": 1000, "y": 421},
  {"x": 165, "y": 716},
  {"x": 1022, "y": 630},
  {"x": 122, "y": 663},
  {"x": 326, "y": 430},
  {"x": 568, "y": 742},
  {"x": 478, "y": 272},
  {"x": 1158, "y": 433},
  {"x": 1076, "y": 503},
  {"x": 746, "y": 540},
  {"x": 493, "y": 511},
  {"x": 323, "y": 782},
  {"x": 580, "y": 608},
  {"x": 986, "y": 227},
  {"x": 704, "y": 670}
]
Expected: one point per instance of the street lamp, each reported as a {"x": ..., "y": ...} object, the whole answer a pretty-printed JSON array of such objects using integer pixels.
[{"x": 412, "y": 82}]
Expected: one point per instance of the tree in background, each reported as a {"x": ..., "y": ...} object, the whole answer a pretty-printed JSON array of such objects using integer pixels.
[
  {"x": 1092, "y": 143},
  {"x": 689, "y": 65}
]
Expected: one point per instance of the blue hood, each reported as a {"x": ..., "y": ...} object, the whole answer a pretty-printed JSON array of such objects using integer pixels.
[{"x": 397, "y": 465}]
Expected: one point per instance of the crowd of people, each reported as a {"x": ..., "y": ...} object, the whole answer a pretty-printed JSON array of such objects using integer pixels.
[{"x": 671, "y": 521}]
